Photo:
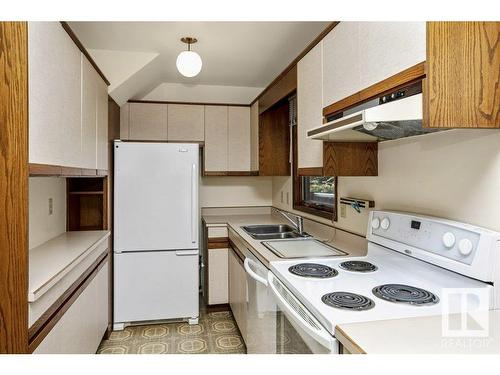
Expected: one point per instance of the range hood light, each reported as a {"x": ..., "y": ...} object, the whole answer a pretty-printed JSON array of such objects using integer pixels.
[{"x": 370, "y": 126}]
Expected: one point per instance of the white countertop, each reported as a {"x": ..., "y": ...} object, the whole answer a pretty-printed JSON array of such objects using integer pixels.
[
  {"x": 50, "y": 261},
  {"x": 422, "y": 335},
  {"x": 351, "y": 244}
]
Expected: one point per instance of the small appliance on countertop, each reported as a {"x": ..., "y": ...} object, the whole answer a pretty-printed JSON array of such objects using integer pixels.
[{"x": 413, "y": 265}]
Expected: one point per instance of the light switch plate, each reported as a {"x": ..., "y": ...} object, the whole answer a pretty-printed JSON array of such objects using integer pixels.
[
  {"x": 51, "y": 206},
  {"x": 343, "y": 211}
]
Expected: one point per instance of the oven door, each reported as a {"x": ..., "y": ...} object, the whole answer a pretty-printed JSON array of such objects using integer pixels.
[{"x": 298, "y": 331}]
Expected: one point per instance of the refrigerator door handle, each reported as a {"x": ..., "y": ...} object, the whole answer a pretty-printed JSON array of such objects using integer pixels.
[{"x": 193, "y": 204}]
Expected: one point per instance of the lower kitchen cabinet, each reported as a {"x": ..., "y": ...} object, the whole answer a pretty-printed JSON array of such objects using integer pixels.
[
  {"x": 81, "y": 328},
  {"x": 218, "y": 276},
  {"x": 238, "y": 291}
]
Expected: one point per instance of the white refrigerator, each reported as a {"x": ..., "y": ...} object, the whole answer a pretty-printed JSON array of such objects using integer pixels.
[{"x": 156, "y": 218}]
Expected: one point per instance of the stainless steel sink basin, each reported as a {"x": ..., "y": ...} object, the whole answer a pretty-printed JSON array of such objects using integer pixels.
[
  {"x": 272, "y": 232},
  {"x": 267, "y": 229}
]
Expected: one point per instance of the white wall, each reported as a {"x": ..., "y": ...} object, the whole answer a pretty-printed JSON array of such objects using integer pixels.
[
  {"x": 453, "y": 174},
  {"x": 43, "y": 226},
  {"x": 179, "y": 92},
  {"x": 235, "y": 191}
]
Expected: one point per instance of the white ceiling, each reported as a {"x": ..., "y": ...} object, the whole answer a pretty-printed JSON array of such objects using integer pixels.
[{"x": 138, "y": 56}]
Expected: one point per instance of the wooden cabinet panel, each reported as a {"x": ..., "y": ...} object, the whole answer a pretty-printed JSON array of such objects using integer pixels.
[
  {"x": 387, "y": 48},
  {"x": 350, "y": 159},
  {"x": 281, "y": 88},
  {"x": 254, "y": 136},
  {"x": 239, "y": 138},
  {"x": 462, "y": 88},
  {"x": 89, "y": 114},
  {"x": 186, "y": 122},
  {"x": 54, "y": 68},
  {"x": 102, "y": 124},
  {"x": 216, "y": 138},
  {"x": 217, "y": 276},
  {"x": 147, "y": 121},
  {"x": 341, "y": 62},
  {"x": 309, "y": 107},
  {"x": 274, "y": 141}
]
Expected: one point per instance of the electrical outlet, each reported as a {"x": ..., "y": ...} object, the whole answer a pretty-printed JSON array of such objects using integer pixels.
[
  {"x": 51, "y": 206},
  {"x": 281, "y": 196},
  {"x": 343, "y": 211},
  {"x": 287, "y": 197}
]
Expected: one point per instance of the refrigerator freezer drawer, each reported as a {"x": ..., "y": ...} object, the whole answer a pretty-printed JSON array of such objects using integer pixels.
[{"x": 155, "y": 285}]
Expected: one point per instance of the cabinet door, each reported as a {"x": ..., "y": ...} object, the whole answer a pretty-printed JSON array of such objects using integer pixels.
[
  {"x": 274, "y": 142},
  {"x": 341, "y": 62},
  {"x": 309, "y": 107},
  {"x": 186, "y": 122},
  {"x": 387, "y": 48},
  {"x": 89, "y": 114},
  {"x": 216, "y": 137},
  {"x": 54, "y": 85},
  {"x": 239, "y": 138},
  {"x": 102, "y": 124},
  {"x": 217, "y": 276},
  {"x": 462, "y": 87},
  {"x": 254, "y": 136},
  {"x": 147, "y": 122}
]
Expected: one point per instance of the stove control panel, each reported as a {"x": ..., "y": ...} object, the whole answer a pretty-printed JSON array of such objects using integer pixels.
[{"x": 456, "y": 242}]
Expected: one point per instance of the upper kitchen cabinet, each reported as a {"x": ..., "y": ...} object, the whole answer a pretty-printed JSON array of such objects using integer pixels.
[
  {"x": 239, "y": 139},
  {"x": 309, "y": 110},
  {"x": 387, "y": 48},
  {"x": 147, "y": 121},
  {"x": 186, "y": 122},
  {"x": 341, "y": 64},
  {"x": 462, "y": 86},
  {"x": 357, "y": 55},
  {"x": 68, "y": 110},
  {"x": 55, "y": 96},
  {"x": 274, "y": 141},
  {"x": 216, "y": 138}
]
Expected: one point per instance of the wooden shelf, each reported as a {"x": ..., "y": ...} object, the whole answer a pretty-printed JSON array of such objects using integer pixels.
[{"x": 61, "y": 171}]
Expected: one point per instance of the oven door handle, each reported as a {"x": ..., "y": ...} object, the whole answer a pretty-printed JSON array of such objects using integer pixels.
[
  {"x": 312, "y": 328},
  {"x": 251, "y": 273}
]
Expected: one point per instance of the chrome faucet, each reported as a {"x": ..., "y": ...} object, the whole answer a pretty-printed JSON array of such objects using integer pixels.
[{"x": 296, "y": 220}]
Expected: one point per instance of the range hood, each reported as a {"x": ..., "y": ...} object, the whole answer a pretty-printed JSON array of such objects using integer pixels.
[{"x": 393, "y": 116}]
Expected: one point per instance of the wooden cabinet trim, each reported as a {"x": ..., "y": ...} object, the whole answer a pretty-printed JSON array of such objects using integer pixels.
[
  {"x": 42, "y": 327},
  {"x": 14, "y": 187},
  {"x": 80, "y": 46},
  {"x": 230, "y": 173},
  {"x": 187, "y": 103},
  {"x": 313, "y": 171},
  {"x": 407, "y": 76},
  {"x": 62, "y": 171},
  {"x": 218, "y": 243}
]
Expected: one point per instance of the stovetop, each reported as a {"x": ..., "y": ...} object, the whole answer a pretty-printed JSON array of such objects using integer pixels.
[{"x": 391, "y": 268}]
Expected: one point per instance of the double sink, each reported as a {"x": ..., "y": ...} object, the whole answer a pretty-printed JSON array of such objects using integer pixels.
[{"x": 273, "y": 232}]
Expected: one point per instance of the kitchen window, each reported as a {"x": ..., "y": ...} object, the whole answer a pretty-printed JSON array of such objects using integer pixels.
[{"x": 316, "y": 195}]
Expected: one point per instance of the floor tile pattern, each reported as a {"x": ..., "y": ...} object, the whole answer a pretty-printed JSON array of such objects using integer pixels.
[{"x": 216, "y": 333}]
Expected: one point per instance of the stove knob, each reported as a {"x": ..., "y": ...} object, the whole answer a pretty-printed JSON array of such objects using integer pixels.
[
  {"x": 385, "y": 223},
  {"x": 465, "y": 246},
  {"x": 448, "y": 240},
  {"x": 375, "y": 223}
]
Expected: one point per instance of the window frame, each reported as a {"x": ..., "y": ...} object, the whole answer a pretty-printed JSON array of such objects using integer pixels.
[{"x": 298, "y": 202}]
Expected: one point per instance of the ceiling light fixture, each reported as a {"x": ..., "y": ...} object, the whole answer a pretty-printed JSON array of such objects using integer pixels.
[{"x": 189, "y": 62}]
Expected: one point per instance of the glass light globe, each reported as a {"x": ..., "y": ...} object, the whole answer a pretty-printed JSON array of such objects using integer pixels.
[{"x": 188, "y": 63}]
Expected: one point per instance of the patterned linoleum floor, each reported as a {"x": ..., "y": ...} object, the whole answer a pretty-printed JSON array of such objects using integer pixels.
[{"x": 216, "y": 333}]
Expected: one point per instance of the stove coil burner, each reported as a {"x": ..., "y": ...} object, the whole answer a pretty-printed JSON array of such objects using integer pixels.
[
  {"x": 319, "y": 271},
  {"x": 348, "y": 301},
  {"x": 358, "y": 266},
  {"x": 405, "y": 294}
]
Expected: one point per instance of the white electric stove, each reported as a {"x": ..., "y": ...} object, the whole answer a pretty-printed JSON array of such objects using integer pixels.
[{"x": 415, "y": 266}]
